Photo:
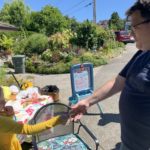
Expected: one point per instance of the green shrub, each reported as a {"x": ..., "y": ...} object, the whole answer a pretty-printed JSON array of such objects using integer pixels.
[
  {"x": 36, "y": 43},
  {"x": 29, "y": 66},
  {"x": 91, "y": 36},
  {"x": 19, "y": 46},
  {"x": 17, "y": 34},
  {"x": 100, "y": 61},
  {"x": 6, "y": 43},
  {"x": 46, "y": 55},
  {"x": 59, "y": 65},
  {"x": 102, "y": 36},
  {"x": 55, "y": 69},
  {"x": 43, "y": 70},
  {"x": 110, "y": 44},
  {"x": 69, "y": 58},
  {"x": 56, "y": 57},
  {"x": 19, "y": 39},
  {"x": 86, "y": 35},
  {"x": 75, "y": 60},
  {"x": 63, "y": 55},
  {"x": 59, "y": 68},
  {"x": 61, "y": 40},
  {"x": 87, "y": 57},
  {"x": 120, "y": 44},
  {"x": 96, "y": 58}
]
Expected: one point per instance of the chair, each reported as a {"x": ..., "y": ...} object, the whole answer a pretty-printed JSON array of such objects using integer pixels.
[
  {"x": 60, "y": 137},
  {"x": 82, "y": 83}
]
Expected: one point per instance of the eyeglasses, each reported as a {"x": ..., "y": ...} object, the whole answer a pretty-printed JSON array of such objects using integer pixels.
[{"x": 143, "y": 22}]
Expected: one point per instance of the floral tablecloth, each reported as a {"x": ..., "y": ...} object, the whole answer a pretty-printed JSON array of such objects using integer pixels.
[{"x": 23, "y": 114}]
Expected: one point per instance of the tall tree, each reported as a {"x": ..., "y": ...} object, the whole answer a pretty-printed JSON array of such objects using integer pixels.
[
  {"x": 72, "y": 24},
  {"x": 87, "y": 35},
  {"x": 49, "y": 20},
  {"x": 16, "y": 13},
  {"x": 116, "y": 22}
]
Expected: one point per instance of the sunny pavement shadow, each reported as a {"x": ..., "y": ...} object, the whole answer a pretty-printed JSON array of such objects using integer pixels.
[{"x": 108, "y": 118}]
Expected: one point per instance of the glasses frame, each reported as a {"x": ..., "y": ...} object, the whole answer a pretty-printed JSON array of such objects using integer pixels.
[{"x": 140, "y": 23}]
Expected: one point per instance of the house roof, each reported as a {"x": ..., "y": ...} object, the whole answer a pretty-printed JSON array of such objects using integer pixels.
[{"x": 6, "y": 26}]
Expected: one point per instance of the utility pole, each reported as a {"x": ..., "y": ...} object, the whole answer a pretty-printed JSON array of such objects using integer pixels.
[{"x": 94, "y": 11}]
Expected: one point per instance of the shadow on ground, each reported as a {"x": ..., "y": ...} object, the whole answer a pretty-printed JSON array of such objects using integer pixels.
[
  {"x": 117, "y": 146},
  {"x": 108, "y": 118}
]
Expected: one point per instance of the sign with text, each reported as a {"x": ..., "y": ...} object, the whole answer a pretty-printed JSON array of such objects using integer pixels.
[{"x": 81, "y": 80}]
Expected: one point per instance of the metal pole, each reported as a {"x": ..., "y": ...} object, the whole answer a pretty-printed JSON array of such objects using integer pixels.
[{"x": 94, "y": 11}]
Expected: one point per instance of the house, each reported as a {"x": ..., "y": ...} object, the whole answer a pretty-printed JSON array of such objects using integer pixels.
[
  {"x": 103, "y": 23},
  {"x": 7, "y": 27}
]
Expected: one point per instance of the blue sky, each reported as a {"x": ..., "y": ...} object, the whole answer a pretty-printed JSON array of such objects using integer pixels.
[{"x": 77, "y": 9}]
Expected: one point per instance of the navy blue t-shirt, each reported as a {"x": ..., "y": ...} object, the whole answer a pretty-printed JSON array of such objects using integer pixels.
[{"x": 134, "y": 102}]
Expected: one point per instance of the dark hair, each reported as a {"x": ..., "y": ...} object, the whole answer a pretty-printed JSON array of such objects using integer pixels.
[{"x": 143, "y": 7}]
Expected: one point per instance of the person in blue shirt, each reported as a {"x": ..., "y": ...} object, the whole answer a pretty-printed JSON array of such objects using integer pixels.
[{"x": 134, "y": 83}]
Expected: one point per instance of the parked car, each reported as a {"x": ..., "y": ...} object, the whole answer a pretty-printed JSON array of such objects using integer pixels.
[{"x": 124, "y": 36}]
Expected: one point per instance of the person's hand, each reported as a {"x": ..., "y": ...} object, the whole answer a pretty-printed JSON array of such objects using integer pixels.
[
  {"x": 65, "y": 118},
  {"x": 79, "y": 109},
  {"x": 9, "y": 110}
]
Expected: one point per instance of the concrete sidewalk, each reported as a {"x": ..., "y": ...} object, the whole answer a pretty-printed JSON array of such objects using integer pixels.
[{"x": 107, "y": 128}]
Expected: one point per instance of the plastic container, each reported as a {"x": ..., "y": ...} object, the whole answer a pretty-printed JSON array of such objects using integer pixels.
[{"x": 19, "y": 63}]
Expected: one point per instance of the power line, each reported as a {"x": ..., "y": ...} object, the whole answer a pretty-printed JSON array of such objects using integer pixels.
[
  {"x": 81, "y": 8},
  {"x": 88, "y": 4},
  {"x": 74, "y": 6}
]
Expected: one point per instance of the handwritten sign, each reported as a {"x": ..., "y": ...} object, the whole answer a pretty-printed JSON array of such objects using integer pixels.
[{"x": 81, "y": 80}]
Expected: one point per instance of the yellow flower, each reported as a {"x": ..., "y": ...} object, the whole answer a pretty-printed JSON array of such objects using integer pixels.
[{"x": 26, "y": 85}]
